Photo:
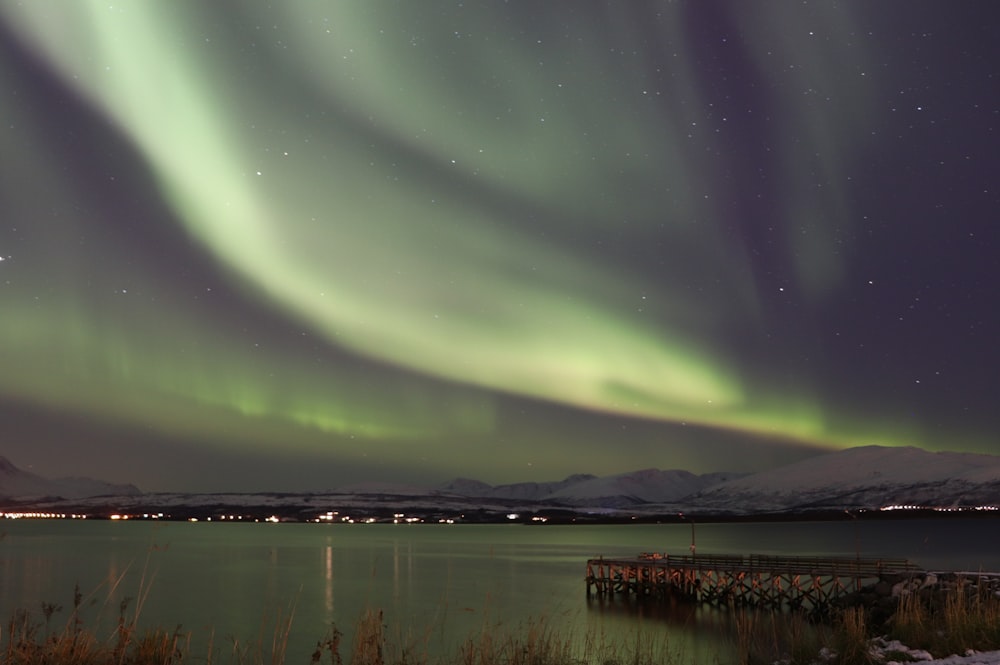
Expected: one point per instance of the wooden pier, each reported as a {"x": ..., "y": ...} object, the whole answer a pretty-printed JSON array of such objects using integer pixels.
[{"x": 755, "y": 580}]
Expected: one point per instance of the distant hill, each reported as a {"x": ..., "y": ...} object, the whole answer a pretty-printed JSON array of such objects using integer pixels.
[
  {"x": 870, "y": 477},
  {"x": 527, "y": 491},
  {"x": 617, "y": 491},
  {"x": 863, "y": 477},
  {"x": 22, "y": 485}
]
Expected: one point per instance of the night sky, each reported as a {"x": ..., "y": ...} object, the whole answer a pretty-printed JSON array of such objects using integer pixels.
[{"x": 296, "y": 245}]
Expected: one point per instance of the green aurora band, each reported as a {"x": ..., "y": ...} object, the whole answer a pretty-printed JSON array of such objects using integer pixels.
[{"x": 399, "y": 185}]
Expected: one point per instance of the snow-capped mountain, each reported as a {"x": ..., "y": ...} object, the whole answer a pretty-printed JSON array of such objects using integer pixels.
[
  {"x": 858, "y": 478},
  {"x": 528, "y": 491},
  {"x": 864, "y": 477},
  {"x": 626, "y": 489},
  {"x": 16, "y": 483}
]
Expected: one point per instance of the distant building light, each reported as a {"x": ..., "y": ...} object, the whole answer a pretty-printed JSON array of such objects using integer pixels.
[{"x": 33, "y": 516}]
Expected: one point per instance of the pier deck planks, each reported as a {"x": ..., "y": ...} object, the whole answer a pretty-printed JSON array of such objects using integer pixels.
[{"x": 754, "y": 580}]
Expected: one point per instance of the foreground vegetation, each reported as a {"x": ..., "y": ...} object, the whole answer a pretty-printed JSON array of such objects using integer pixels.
[
  {"x": 941, "y": 624},
  {"x": 961, "y": 619},
  {"x": 29, "y": 642}
]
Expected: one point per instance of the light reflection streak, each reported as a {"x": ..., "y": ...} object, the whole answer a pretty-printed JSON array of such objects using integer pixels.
[
  {"x": 328, "y": 581},
  {"x": 395, "y": 572}
]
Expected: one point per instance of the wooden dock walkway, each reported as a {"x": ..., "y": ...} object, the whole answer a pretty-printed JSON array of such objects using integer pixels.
[{"x": 755, "y": 580}]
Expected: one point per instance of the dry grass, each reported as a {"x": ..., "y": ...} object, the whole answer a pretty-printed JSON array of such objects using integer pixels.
[
  {"x": 768, "y": 637},
  {"x": 964, "y": 618},
  {"x": 851, "y": 640},
  {"x": 28, "y": 641},
  {"x": 536, "y": 642},
  {"x": 369, "y": 640},
  {"x": 271, "y": 645},
  {"x": 942, "y": 624},
  {"x": 968, "y": 617}
]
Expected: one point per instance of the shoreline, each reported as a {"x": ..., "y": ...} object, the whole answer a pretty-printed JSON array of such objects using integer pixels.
[{"x": 306, "y": 511}]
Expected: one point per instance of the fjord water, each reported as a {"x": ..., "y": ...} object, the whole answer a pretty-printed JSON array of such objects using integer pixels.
[{"x": 436, "y": 584}]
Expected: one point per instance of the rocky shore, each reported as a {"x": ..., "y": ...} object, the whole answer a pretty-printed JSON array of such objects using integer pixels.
[{"x": 882, "y": 598}]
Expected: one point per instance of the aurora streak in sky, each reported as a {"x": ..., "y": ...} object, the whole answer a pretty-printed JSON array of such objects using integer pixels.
[{"x": 316, "y": 242}]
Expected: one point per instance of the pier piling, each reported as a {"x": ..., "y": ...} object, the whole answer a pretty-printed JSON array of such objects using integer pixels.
[{"x": 755, "y": 580}]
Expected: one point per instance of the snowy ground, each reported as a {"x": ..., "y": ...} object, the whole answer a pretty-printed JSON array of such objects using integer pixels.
[
  {"x": 981, "y": 658},
  {"x": 984, "y": 658},
  {"x": 971, "y": 658}
]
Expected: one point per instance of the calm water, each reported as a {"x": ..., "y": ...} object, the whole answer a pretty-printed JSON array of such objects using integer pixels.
[{"x": 435, "y": 583}]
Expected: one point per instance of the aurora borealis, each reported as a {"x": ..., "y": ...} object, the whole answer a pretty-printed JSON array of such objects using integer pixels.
[{"x": 254, "y": 246}]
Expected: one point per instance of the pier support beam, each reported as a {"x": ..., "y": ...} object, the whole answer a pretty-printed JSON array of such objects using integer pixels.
[{"x": 774, "y": 582}]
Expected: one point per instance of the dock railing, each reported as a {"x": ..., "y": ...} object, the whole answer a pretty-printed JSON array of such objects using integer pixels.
[{"x": 811, "y": 582}]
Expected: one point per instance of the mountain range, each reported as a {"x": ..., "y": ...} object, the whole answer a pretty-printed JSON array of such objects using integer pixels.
[
  {"x": 20, "y": 484},
  {"x": 869, "y": 477},
  {"x": 647, "y": 486},
  {"x": 865, "y": 477}
]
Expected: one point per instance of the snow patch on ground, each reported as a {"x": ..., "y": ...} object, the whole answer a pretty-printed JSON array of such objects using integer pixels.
[{"x": 882, "y": 648}]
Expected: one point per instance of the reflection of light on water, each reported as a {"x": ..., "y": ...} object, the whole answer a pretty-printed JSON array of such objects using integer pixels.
[
  {"x": 696, "y": 633},
  {"x": 395, "y": 570},
  {"x": 402, "y": 578},
  {"x": 33, "y": 576},
  {"x": 328, "y": 581}
]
